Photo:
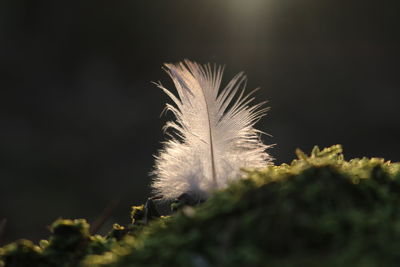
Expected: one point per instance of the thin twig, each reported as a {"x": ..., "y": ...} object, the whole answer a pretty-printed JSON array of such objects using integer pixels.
[
  {"x": 3, "y": 223},
  {"x": 105, "y": 215},
  {"x": 96, "y": 226}
]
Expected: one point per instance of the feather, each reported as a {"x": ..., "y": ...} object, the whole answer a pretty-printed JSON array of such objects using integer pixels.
[{"x": 213, "y": 135}]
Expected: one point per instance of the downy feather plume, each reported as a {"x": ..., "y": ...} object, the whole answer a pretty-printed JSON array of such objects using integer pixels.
[{"x": 213, "y": 136}]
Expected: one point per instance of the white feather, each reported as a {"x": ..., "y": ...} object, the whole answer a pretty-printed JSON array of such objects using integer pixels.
[{"x": 214, "y": 129}]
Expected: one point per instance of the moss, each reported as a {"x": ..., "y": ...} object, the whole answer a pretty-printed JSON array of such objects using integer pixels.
[
  {"x": 137, "y": 214},
  {"x": 117, "y": 232},
  {"x": 21, "y": 253},
  {"x": 68, "y": 244},
  {"x": 319, "y": 210}
]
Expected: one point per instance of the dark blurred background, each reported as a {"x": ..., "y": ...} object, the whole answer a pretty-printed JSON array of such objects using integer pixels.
[{"x": 80, "y": 118}]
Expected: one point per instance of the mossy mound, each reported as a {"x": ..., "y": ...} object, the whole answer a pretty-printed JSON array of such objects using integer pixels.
[
  {"x": 318, "y": 211},
  {"x": 68, "y": 244}
]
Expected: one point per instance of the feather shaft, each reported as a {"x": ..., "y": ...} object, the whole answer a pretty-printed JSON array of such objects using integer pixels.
[{"x": 212, "y": 157}]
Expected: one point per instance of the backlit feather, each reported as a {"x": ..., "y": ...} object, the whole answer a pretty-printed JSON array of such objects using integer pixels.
[{"x": 213, "y": 135}]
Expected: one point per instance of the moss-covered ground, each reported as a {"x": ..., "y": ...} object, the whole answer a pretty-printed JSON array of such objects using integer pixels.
[{"x": 320, "y": 210}]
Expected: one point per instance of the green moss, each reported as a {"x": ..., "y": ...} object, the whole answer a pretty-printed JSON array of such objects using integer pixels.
[
  {"x": 320, "y": 210},
  {"x": 117, "y": 232},
  {"x": 137, "y": 214},
  {"x": 20, "y": 253},
  {"x": 68, "y": 244}
]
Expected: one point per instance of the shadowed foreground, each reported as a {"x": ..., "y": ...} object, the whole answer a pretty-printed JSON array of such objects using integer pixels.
[{"x": 319, "y": 210}]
